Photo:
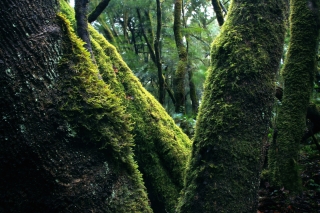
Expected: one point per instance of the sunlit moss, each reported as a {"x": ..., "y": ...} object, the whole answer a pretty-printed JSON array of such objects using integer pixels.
[
  {"x": 95, "y": 116},
  {"x": 161, "y": 148}
]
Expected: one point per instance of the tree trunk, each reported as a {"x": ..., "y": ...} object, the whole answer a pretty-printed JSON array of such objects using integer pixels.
[
  {"x": 298, "y": 71},
  {"x": 98, "y": 10},
  {"x": 51, "y": 158},
  {"x": 218, "y": 11},
  {"x": 81, "y": 7},
  {"x": 161, "y": 78},
  {"x": 180, "y": 74},
  {"x": 161, "y": 149},
  {"x": 233, "y": 120}
]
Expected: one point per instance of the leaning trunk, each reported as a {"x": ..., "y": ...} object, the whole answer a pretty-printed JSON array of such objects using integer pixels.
[{"x": 233, "y": 120}]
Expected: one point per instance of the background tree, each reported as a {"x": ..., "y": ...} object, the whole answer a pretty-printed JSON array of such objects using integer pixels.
[
  {"x": 180, "y": 74},
  {"x": 233, "y": 120},
  {"x": 298, "y": 73},
  {"x": 198, "y": 25}
]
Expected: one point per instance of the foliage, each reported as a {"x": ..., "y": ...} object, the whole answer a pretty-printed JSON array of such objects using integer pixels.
[{"x": 132, "y": 46}]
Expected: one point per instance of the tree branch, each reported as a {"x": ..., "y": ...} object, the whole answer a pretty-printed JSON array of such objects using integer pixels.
[{"x": 98, "y": 10}]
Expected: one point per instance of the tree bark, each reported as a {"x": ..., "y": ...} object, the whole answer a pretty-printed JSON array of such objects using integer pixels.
[
  {"x": 298, "y": 72},
  {"x": 224, "y": 170},
  {"x": 98, "y": 10},
  {"x": 158, "y": 56},
  {"x": 180, "y": 74},
  {"x": 81, "y": 7},
  {"x": 50, "y": 160},
  {"x": 218, "y": 10}
]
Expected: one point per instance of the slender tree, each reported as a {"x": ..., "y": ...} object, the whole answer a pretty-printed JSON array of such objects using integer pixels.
[
  {"x": 233, "y": 120},
  {"x": 298, "y": 73},
  {"x": 218, "y": 11},
  {"x": 81, "y": 7},
  {"x": 98, "y": 10},
  {"x": 180, "y": 74}
]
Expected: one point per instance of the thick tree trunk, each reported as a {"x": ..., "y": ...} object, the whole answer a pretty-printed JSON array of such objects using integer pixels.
[
  {"x": 298, "y": 71},
  {"x": 161, "y": 149},
  {"x": 55, "y": 118},
  {"x": 233, "y": 120},
  {"x": 180, "y": 74}
]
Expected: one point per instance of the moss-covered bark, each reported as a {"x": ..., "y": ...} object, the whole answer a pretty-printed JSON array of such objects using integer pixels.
[
  {"x": 181, "y": 71},
  {"x": 232, "y": 125},
  {"x": 298, "y": 73},
  {"x": 56, "y": 115},
  {"x": 161, "y": 148}
]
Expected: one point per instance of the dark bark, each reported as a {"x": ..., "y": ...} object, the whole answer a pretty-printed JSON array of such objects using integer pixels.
[
  {"x": 158, "y": 56},
  {"x": 81, "y": 7},
  {"x": 154, "y": 49},
  {"x": 98, "y": 10},
  {"x": 45, "y": 165},
  {"x": 218, "y": 10},
  {"x": 193, "y": 94},
  {"x": 144, "y": 34}
]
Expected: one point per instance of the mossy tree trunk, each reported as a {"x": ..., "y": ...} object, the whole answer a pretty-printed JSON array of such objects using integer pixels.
[
  {"x": 161, "y": 148},
  {"x": 233, "y": 120},
  {"x": 298, "y": 73},
  {"x": 180, "y": 74},
  {"x": 56, "y": 115}
]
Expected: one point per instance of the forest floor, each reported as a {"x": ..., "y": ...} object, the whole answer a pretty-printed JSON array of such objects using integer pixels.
[{"x": 276, "y": 200}]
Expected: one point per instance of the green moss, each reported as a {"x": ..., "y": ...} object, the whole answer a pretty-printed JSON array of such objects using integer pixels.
[
  {"x": 298, "y": 74},
  {"x": 95, "y": 116},
  {"x": 224, "y": 170},
  {"x": 181, "y": 71},
  {"x": 161, "y": 148}
]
